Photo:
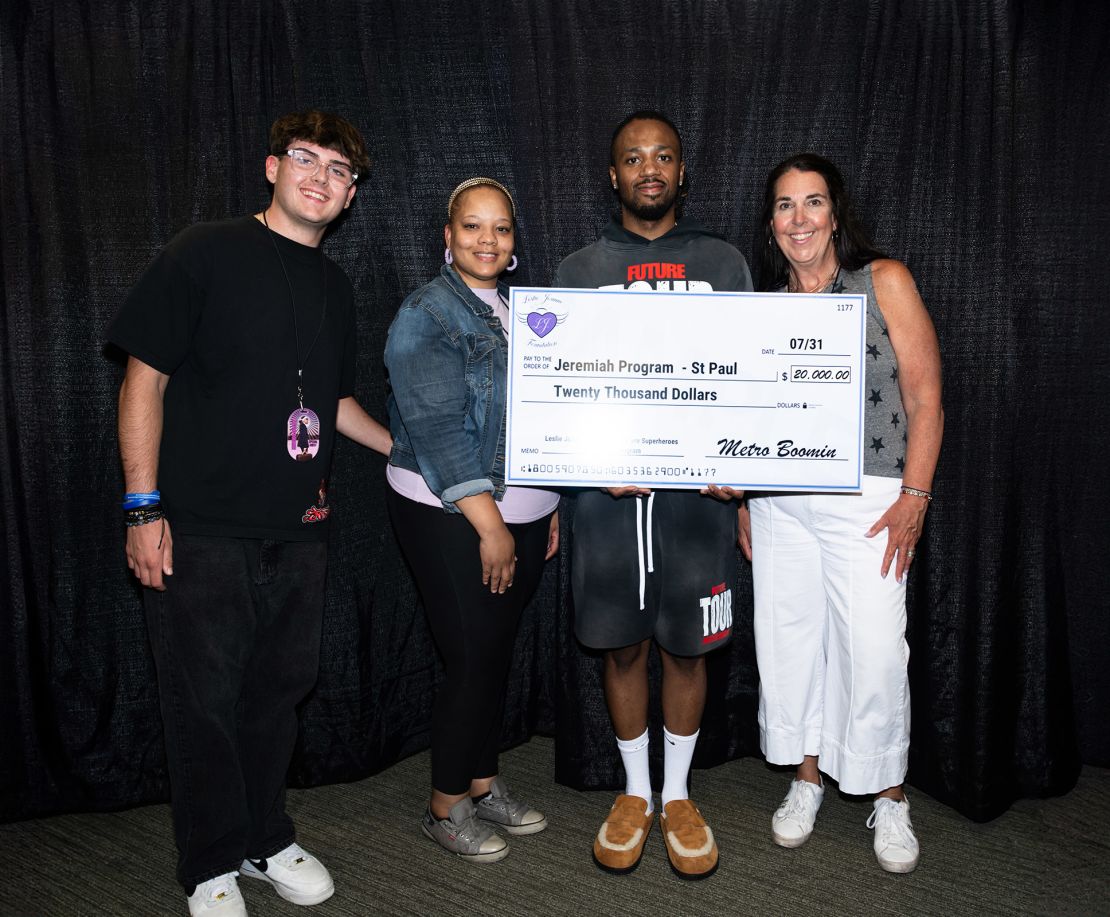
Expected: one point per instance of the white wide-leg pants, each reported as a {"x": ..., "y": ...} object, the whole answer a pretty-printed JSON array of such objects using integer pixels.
[{"x": 830, "y": 636}]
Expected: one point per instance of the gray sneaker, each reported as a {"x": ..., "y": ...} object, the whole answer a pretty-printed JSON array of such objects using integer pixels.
[
  {"x": 462, "y": 834},
  {"x": 514, "y": 816}
]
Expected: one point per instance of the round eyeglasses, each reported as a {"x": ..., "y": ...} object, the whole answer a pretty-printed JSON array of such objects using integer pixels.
[{"x": 308, "y": 163}]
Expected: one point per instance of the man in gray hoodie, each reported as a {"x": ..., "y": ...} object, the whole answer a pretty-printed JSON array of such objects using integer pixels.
[{"x": 647, "y": 564}]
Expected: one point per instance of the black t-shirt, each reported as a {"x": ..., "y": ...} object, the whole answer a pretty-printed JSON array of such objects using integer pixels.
[{"x": 213, "y": 312}]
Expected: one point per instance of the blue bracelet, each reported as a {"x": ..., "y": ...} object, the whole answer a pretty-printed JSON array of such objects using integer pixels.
[{"x": 135, "y": 500}]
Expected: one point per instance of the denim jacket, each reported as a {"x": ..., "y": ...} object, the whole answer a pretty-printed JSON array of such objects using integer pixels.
[{"x": 446, "y": 357}]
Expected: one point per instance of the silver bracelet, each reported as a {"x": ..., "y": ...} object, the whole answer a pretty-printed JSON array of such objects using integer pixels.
[{"x": 914, "y": 492}]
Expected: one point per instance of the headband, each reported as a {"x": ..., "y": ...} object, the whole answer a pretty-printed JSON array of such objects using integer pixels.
[{"x": 474, "y": 183}]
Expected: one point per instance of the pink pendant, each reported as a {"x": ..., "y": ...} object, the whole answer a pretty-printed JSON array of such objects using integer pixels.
[{"x": 302, "y": 435}]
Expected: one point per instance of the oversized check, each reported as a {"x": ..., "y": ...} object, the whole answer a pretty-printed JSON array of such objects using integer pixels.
[{"x": 762, "y": 391}]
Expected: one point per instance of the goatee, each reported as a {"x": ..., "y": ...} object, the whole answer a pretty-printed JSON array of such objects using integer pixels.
[{"x": 651, "y": 211}]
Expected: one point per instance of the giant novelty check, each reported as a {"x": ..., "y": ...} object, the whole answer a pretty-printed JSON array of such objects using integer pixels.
[{"x": 761, "y": 391}]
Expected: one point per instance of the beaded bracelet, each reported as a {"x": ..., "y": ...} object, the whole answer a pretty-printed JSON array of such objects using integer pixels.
[
  {"x": 152, "y": 512},
  {"x": 914, "y": 492}
]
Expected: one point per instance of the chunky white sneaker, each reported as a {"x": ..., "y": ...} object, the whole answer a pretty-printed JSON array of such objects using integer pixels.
[
  {"x": 792, "y": 824},
  {"x": 895, "y": 844},
  {"x": 296, "y": 874},
  {"x": 218, "y": 897}
]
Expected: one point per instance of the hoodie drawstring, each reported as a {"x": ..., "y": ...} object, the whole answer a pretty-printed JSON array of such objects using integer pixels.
[{"x": 650, "y": 559}]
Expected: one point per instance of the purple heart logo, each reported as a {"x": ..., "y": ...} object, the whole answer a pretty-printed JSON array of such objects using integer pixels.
[{"x": 542, "y": 322}]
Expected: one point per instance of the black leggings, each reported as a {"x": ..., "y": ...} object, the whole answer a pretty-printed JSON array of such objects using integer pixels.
[{"x": 473, "y": 628}]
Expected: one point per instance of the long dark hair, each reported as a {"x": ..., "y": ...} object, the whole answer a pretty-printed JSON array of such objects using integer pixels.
[{"x": 854, "y": 247}]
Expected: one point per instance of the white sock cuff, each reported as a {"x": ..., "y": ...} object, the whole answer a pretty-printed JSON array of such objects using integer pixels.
[
  {"x": 671, "y": 737},
  {"x": 630, "y": 745}
]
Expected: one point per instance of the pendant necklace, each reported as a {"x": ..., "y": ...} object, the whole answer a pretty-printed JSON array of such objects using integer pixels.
[
  {"x": 791, "y": 288},
  {"x": 302, "y": 429}
]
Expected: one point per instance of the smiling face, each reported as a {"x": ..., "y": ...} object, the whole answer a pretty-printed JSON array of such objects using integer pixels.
[
  {"x": 481, "y": 235},
  {"x": 802, "y": 221},
  {"x": 304, "y": 204},
  {"x": 647, "y": 171}
]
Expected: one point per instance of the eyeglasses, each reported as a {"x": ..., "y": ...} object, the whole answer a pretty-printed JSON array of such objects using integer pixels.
[{"x": 308, "y": 163}]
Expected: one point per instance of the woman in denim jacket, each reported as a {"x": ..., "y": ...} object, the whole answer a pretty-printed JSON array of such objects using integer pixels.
[{"x": 476, "y": 548}]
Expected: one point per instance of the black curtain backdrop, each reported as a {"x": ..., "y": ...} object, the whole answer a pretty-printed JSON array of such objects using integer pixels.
[{"x": 974, "y": 136}]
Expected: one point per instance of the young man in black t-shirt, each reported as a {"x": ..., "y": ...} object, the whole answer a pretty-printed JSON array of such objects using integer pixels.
[{"x": 240, "y": 338}]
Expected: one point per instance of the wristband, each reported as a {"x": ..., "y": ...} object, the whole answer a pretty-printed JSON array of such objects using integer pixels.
[
  {"x": 137, "y": 499},
  {"x": 914, "y": 492}
]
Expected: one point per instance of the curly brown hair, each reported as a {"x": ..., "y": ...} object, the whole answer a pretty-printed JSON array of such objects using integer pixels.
[{"x": 323, "y": 129}]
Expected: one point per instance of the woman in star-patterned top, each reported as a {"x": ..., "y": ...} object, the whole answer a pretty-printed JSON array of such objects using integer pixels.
[{"x": 830, "y": 569}]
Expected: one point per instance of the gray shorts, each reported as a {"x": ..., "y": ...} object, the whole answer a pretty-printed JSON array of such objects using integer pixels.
[{"x": 686, "y": 596}]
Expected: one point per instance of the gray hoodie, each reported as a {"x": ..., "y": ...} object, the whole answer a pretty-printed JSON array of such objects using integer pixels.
[{"x": 687, "y": 258}]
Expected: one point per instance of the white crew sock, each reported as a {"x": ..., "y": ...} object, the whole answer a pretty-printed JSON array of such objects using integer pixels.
[
  {"x": 637, "y": 778},
  {"x": 678, "y": 752}
]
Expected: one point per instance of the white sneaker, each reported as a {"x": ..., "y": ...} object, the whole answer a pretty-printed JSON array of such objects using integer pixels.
[
  {"x": 896, "y": 846},
  {"x": 218, "y": 897},
  {"x": 296, "y": 874},
  {"x": 792, "y": 824}
]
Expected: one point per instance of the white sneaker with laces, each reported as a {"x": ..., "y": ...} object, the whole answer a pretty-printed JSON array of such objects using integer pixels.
[
  {"x": 218, "y": 897},
  {"x": 296, "y": 874},
  {"x": 792, "y": 824},
  {"x": 896, "y": 846}
]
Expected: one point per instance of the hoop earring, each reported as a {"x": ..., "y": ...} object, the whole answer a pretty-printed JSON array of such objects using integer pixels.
[
  {"x": 448, "y": 258},
  {"x": 512, "y": 264}
]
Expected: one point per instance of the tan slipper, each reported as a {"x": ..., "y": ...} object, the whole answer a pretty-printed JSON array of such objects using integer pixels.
[
  {"x": 689, "y": 840},
  {"x": 620, "y": 842}
]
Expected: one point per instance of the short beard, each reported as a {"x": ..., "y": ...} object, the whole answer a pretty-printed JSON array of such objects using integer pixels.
[{"x": 650, "y": 212}]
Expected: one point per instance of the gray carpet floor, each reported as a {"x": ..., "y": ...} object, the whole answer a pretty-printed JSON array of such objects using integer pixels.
[{"x": 1042, "y": 857}]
